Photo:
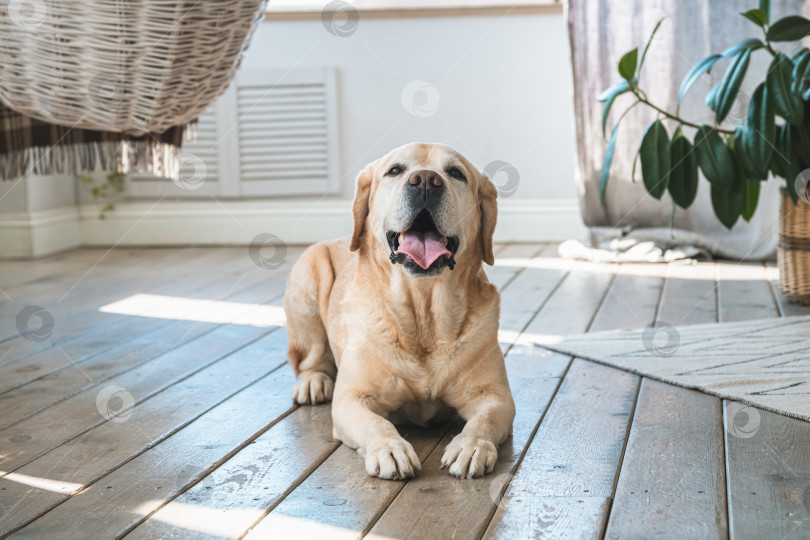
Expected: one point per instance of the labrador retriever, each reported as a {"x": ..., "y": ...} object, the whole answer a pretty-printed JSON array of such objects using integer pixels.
[{"x": 398, "y": 322}]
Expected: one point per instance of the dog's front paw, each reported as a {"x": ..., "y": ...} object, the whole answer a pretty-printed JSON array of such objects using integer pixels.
[
  {"x": 313, "y": 387},
  {"x": 394, "y": 459},
  {"x": 469, "y": 457}
]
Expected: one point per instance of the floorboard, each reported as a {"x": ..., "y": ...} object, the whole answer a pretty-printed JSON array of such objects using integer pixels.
[{"x": 672, "y": 481}]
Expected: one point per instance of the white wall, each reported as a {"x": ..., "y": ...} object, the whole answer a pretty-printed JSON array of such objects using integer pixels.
[{"x": 503, "y": 85}]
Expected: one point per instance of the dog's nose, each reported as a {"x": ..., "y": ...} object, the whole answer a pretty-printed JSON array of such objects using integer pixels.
[{"x": 425, "y": 180}]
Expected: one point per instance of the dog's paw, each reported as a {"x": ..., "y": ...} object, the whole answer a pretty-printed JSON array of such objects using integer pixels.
[
  {"x": 469, "y": 457},
  {"x": 312, "y": 388},
  {"x": 394, "y": 459}
]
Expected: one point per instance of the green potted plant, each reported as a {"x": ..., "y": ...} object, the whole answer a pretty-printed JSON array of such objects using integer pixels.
[{"x": 772, "y": 140}]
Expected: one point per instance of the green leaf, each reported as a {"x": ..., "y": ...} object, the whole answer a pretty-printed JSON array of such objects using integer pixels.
[
  {"x": 800, "y": 141},
  {"x": 788, "y": 29},
  {"x": 784, "y": 162},
  {"x": 704, "y": 66},
  {"x": 683, "y": 180},
  {"x": 750, "y": 198},
  {"x": 609, "y": 96},
  {"x": 779, "y": 79},
  {"x": 801, "y": 71},
  {"x": 606, "y": 93},
  {"x": 759, "y": 134},
  {"x": 729, "y": 86},
  {"x": 655, "y": 163},
  {"x": 627, "y": 64},
  {"x": 756, "y": 16},
  {"x": 715, "y": 158},
  {"x": 765, "y": 7},
  {"x": 728, "y": 203},
  {"x": 711, "y": 97},
  {"x": 647, "y": 46},
  {"x": 749, "y": 168},
  {"x": 749, "y": 44},
  {"x": 605, "y": 176}
]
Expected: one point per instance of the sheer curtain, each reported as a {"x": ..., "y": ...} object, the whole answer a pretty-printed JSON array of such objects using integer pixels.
[{"x": 600, "y": 32}]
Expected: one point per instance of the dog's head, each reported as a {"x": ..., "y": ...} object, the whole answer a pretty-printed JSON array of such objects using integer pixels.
[{"x": 425, "y": 207}]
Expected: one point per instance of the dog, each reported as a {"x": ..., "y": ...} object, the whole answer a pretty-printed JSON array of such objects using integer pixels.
[{"x": 398, "y": 323}]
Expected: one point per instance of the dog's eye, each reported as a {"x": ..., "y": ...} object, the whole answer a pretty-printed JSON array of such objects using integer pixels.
[
  {"x": 396, "y": 170},
  {"x": 455, "y": 172}
]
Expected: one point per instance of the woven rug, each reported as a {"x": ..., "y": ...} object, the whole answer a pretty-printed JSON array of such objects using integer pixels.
[{"x": 765, "y": 363}]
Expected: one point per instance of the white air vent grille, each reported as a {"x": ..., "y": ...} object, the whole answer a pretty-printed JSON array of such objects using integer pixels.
[{"x": 285, "y": 133}]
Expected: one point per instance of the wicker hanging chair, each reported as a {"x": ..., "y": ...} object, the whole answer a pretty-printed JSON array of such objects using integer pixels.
[
  {"x": 111, "y": 84},
  {"x": 129, "y": 66}
]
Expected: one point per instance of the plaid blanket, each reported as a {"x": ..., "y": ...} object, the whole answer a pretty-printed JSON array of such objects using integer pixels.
[{"x": 29, "y": 146}]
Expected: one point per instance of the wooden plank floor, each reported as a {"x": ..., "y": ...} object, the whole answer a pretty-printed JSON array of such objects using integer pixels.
[{"x": 156, "y": 404}]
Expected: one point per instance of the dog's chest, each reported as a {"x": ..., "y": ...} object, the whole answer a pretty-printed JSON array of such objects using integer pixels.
[{"x": 423, "y": 378}]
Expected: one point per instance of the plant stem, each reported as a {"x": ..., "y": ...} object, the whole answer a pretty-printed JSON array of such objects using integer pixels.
[{"x": 676, "y": 117}]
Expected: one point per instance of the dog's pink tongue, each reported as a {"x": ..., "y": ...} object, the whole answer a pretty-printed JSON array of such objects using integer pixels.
[{"x": 424, "y": 249}]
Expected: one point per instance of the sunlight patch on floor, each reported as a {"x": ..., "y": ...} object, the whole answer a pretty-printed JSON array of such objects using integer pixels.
[
  {"x": 226, "y": 522},
  {"x": 56, "y": 486},
  {"x": 202, "y": 519},
  {"x": 281, "y": 526},
  {"x": 194, "y": 309}
]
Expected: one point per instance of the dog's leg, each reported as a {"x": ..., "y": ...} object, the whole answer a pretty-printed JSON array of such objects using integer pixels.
[
  {"x": 359, "y": 422},
  {"x": 489, "y": 410},
  {"x": 309, "y": 351}
]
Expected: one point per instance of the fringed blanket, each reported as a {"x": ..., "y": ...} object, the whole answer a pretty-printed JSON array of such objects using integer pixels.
[{"x": 29, "y": 146}]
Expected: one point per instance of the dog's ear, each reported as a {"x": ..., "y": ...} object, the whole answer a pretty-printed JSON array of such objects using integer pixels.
[
  {"x": 488, "y": 201},
  {"x": 360, "y": 205}
]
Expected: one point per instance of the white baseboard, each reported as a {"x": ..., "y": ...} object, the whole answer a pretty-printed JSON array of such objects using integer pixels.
[
  {"x": 238, "y": 222},
  {"x": 34, "y": 234}
]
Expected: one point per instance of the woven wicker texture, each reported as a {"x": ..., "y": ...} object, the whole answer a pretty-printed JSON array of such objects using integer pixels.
[
  {"x": 130, "y": 66},
  {"x": 794, "y": 249}
]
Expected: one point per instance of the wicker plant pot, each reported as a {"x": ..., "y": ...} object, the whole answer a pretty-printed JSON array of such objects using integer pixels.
[{"x": 794, "y": 250}]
